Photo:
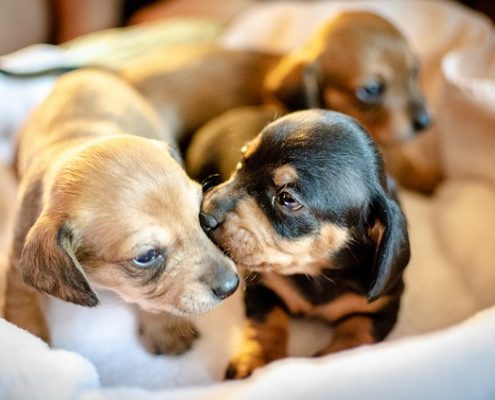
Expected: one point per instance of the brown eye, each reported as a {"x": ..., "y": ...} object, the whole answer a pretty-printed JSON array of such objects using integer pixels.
[{"x": 285, "y": 199}]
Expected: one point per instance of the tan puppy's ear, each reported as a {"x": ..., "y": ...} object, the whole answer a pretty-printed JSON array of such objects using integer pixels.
[
  {"x": 389, "y": 233},
  {"x": 48, "y": 263},
  {"x": 295, "y": 84}
]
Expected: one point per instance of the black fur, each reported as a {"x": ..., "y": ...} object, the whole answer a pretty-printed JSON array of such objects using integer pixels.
[{"x": 341, "y": 180}]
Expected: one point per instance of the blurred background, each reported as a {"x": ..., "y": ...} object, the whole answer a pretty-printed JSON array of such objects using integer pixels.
[{"x": 25, "y": 22}]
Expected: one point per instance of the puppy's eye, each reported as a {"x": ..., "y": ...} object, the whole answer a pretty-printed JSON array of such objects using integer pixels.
[
  {"x": 148, "y": 259},
  {"x": 286, "y": 200},
  {"x": 371, "y": 93}
]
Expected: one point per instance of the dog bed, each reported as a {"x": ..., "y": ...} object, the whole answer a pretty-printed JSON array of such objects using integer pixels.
[{"x": 443, "y": 345}]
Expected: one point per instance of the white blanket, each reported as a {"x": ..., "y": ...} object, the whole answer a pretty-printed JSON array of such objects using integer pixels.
[{"x": 451, "y": 275}]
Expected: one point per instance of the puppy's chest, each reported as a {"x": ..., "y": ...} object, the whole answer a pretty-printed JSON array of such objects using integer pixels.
[{"x": 316, "y": 298}]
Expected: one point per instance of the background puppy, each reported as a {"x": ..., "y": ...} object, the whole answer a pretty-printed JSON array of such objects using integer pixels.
[
  {"x": 309, "y": 211},
  {"x": 208, "y": 85},
  {"x": 101, "y": 208},
  {"x": 214, "y": 149},
  {"x": 358, "y": 63},
  {"x": 361, "y": 65}
]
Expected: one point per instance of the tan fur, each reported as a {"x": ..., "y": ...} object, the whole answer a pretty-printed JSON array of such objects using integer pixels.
[
  {"x": 94, "y": 195},
  {"x": 266, "y": 341},
  {"x": 250, "y": 148},
  {"x": 23, "y": 306},
  {"x": 207, "y": 86},
  {"x": 346, "y": 304},
  {"x": 262, "y": 343},
  {"x": 7, "y": 211},
  {"x": 352, "y": 332},
  {"x": 284, "y": 175},
  {"x": 166, "y": 333},
  {"x": 257, "y": 245},
  {"x": 347, "y": 57}
]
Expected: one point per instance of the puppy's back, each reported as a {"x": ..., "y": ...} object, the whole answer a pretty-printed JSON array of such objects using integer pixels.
[
  {"x": 215, "y": 148},
  {"x": 205, "y": 87},
  {"x": 85, "y": 104}
]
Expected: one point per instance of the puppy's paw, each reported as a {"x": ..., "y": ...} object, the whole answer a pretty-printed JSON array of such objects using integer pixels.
[
  {"x": 167, "y": 334},
  {"x": 243, "y": 366}
]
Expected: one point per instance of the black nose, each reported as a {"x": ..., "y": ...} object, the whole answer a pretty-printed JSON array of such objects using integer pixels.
[
  {"x": 227, "y": 286},
  {"x": 208, "y": 222},
  {"x": 421, "y": 121}
]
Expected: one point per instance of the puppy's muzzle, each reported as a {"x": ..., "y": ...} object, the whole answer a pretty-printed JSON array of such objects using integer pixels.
[
  {"x": 421, "y": 117},
  {"x": 222, "y": 280}
]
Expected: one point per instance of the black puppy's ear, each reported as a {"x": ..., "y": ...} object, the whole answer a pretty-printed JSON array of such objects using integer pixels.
[
  {"x": 295, "y": 84},
  {"x": 175, "y": 154},
  {"x": 389, "y": 232},
  {"x": 48, "y": 263}
]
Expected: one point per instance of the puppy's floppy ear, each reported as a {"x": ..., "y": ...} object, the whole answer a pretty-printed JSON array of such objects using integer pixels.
[
  {"x": 295, "y": 84},
  {"x": 48, "y": 263},
  {"x": 389, "y": 232}
]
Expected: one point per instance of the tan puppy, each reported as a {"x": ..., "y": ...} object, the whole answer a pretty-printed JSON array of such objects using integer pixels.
[
  {"x": 357, "y": 63},
  {"x": 208, "y": 84},
  {"x": 361, "y": 65},
  {"x": 101, "y": 208}
]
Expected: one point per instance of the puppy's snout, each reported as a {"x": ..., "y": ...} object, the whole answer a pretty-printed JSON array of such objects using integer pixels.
[
  {"x": 422, "y": 121},
  {"x": 421, "y": 117},
  {"x": 222, "y": 280},
  {"x": 208, "y": 222}
]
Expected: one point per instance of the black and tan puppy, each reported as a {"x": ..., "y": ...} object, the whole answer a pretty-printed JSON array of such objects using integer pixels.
[
  {"x": 101, "y": 206},
  {"x": 308, "y": 209}
]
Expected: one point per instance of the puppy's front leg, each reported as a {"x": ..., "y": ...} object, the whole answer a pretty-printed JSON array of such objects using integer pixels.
[
  {"x": 22, "y": 306},
  {"x": 265, "y": 335},
  {"x": 165, "y": 333},
  {"x": 351, "y": 332}
]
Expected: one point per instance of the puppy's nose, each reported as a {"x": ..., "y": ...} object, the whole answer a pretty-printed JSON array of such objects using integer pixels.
[
  {"x": 226, "y": 285},
  {"x": 208, "y": 222},
  {"x": 421, "y": 121}
]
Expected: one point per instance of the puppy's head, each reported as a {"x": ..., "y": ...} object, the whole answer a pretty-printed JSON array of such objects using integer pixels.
[
  {"x": 121, "y": 214},
  {"x": 361, "y": 65},
  {"x": 310, "y": 194}
]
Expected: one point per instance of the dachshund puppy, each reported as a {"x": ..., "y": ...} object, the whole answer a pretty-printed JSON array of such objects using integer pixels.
[
  {"x": 102, "y": 207},
  {"x": 309, "y": 211},
  {"x": 361, "y": 65},
  {"x": 206, "y": 86},
  {"x": 357, "y": 63}
]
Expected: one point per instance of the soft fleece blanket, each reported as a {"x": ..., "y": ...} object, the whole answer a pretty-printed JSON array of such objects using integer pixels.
[{"x": 450, "y": 278}]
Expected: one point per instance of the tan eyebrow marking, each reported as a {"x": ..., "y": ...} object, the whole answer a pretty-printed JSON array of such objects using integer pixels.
[
  {"x": 284, "y": 175},
  {"x": 250, "y": 148}
]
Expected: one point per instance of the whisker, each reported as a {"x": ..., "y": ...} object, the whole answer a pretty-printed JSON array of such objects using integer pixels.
[{"x": 326, "y": 277}]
